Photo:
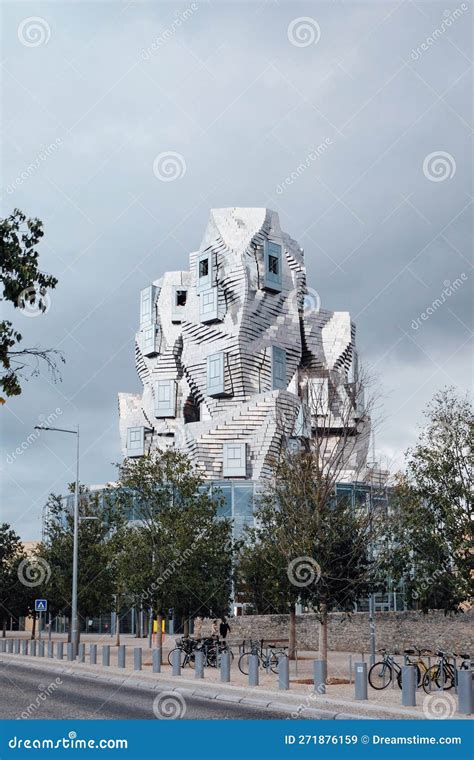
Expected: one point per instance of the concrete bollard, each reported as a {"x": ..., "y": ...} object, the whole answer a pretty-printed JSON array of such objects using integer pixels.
[
  {"x": 409, "y": 679},
  {"x": 360, "y": 680},
  {"x": 16, "y": 646},
  {"x": 70, "y": 651},
  {"x": 93, "y": 654},
  {"x": 199, "y": 664},
  {"x": 106, "y": 654},
  {"x": 24, "y": 646},
  {"x": 137, "y": 658},
  {"x": 60, "y": 650},
  {"x": 253, "y": 670},
  {"x": 2, "y": 645},
  {"x": 156, "y": 660},
  {"x": 320, "y": 672},
  {"x": 283, "y": 672},
  {"x": 465, "y": 695},
  {"x": 121, "y": 655},
  {"x": 33, "y": 648},
  {"x": 40, "y": 648},
  {"x": 225, "y": 667},
  {"x": 81, "y": 653},
  {"x": 176, "y": 662},
  {"x": 10, "y": 646},
  {"x": 50, "y": 648}
]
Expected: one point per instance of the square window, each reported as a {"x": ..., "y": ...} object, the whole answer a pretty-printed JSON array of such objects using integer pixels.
[
  {"x": 203, "y": 267},
  {"x": 150, "y": 340},
  {"x": 135, "y": 442},
  {"x": 165, "y": 398},
  {"x": 215, "y": 375},
  {"x": 181, "y": 296},
  {"x": 204, "y": 272},
  {"x": 272, "y": 266},
  {"x": 278, "y": 368},
  {"x": 234, "y": 459},
  {"x": 208, "y": 305},
  {"x": 147, "y": 305}
]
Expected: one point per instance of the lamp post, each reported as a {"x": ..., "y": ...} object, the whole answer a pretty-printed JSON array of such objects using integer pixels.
[{"x": 75, "y": 549}]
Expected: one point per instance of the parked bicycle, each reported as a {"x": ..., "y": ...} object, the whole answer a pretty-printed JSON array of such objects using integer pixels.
[
  {"x": 442, "y": 675},
  {"x": 382, "y": 673},
  {"x": 267, "y": 660},
  {"x": 187, "y": 648}
]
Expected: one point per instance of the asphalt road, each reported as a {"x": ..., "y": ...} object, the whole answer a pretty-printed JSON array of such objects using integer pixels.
[{"x": 30, "y": 692}]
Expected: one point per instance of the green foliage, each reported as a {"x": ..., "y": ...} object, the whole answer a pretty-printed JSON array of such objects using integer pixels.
[
  {"x": 15, "y": 597},
  {"x": 179, "y": 554},
  {"x": 22, "y": 281},
  {"x": 432, "y": 517}
]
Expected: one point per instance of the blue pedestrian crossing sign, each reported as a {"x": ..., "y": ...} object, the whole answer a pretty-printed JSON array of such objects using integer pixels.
[{"x": 41, "y": 605}]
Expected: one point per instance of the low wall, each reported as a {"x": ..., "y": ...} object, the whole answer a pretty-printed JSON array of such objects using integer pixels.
[{"x": 394, "y": 630}]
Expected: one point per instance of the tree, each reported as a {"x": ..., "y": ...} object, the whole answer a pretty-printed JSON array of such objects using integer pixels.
[
  {"x": 183, "y": 550},
  {"x": 12, "y": 592},
  {"x": 25, "y": 286},
  {"x": 97, "y": 523},
  {"x": 431, "y": 524}
]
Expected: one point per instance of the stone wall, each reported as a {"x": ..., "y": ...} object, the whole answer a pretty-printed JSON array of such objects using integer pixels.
[{"x": 394, "y": 630}]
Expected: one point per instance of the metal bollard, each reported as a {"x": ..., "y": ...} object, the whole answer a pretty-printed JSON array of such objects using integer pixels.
[
  {"x": 360, "y": 680},
  {"x": 320, "y": 672},
  {"x": 50, "y": 648},
  {"x": 137, "y": 658},
  {"x": 106, "y": 654},
  {"x": 121, "y": 656},
  {"x": 283, "y": 672},
  {"x": 16, "y": 646},
  {"x": 176, "y": 662},
  {"x": 81, "y": 653},
  {"x": 40, "y": 648},
  {"x": 253, "y": 670},
  {"x": 225, "y": 667},
  {"x": 199, "y": 664},
  {"x": 93, "y": 654},
  {"x": 2, "y": 645},
  {"x": 465, "y": 696},
  {"x": 10, "y": 646},
  {"x": 60, "y": 650},
  {"x": 70, "y": 651},
  {"x": 33, "y": 648},
  {"x": 156, "y": 659},
  {"x": 24, "y": 646},
  {"x": 409, "y": 679}
]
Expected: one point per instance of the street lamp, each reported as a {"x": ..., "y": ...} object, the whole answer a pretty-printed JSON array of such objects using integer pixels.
[{"x": 74, "y": 622}]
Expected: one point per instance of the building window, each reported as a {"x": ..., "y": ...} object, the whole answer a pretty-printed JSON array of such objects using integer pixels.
[
  {"x": 208, "y": 311},
  {"x": 135, "y": 441},
  {"x": 234, "y": 459},
  {"x": 147, "y": 305},
  {"x": 215, "y": 375},
  {"x": 180, "y": 296},
  {"x": 278, "y": 368},
  {"x": 150, "y": 340},
  {"x": 273, "y": 266},
  {"x": 204, "y": 272},
  {"x": 165, "y": 398}
]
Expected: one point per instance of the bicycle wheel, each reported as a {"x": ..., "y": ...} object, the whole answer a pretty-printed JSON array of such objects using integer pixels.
[
  {"x": 380, "y": 675},
  {"x": 429, "y": 679},
  {"x": 274, "y": 663},
  {"x": 418, "y": 677},
  {"x": 183, "y": 656},
  {"x": 447, "y": 678},
  {"x": 244, "y": 663}
]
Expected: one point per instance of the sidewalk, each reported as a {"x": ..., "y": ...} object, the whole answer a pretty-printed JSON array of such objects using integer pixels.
[{"x": 299, "y": 701}]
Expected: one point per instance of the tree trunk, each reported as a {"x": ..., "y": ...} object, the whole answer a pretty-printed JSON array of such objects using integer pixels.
[
  {"x": 4, "y": 628},
  {"x": 137, "y": 624},
  {"x": 117, "y": 629},
  {"x": 323, "y": 632},
  {"x": 292, "y": 634},
  {"x": 185, "y": 626},
  {"x": 33, "y": 630}
]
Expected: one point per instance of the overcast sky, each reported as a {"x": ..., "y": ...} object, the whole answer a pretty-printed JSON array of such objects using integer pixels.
[{"x": 244, "y": 93}]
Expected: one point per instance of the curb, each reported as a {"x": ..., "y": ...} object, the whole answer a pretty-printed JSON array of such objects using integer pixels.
[{"x": 330, "y": 709}]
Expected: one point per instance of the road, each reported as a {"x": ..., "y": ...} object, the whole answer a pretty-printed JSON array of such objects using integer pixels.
[{"x": 29, "y": 692}]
